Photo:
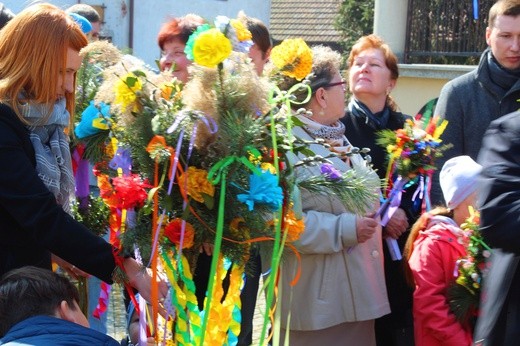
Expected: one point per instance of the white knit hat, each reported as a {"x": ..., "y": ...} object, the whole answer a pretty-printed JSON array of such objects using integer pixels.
[{"x": 458, "y": 179}]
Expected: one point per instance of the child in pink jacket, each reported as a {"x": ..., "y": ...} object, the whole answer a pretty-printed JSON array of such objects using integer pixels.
[{"x": 435, "y": 244}]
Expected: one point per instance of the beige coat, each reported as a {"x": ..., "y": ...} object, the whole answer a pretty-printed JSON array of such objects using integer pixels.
[{"x": 341, "y": 280}]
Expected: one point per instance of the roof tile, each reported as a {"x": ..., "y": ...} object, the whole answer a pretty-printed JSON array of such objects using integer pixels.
[{"x": 312, "y": 20}]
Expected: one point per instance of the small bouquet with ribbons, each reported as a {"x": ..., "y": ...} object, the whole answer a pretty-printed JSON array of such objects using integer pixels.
[
  {"x": 412, "y": 152},
  {"x": 464, "y": 294}
]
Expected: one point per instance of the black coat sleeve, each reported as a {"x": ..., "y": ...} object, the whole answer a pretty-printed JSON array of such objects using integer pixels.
[
  {"x": 31, "y": 222},
  {"x": 499, "y": 191}
]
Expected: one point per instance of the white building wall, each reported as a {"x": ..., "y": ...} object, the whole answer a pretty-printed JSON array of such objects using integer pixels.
[{"x": 149, "y": 15}]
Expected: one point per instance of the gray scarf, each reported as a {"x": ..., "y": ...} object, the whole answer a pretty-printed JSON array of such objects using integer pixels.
[
  {"x": 51, "y": 147},
  {"x": 501, "y": 76}
]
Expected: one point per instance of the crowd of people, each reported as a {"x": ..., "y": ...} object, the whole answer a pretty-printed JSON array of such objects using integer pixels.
[{"x": 350, "y": 289}]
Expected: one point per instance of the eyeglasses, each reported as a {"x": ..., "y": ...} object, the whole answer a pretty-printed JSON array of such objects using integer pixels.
[{"x": 330, "y": 85}]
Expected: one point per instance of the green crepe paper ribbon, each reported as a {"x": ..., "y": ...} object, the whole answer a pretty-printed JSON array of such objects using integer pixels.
[
  {"x": 287, "y": 99},
  {"x": 217, "y": 174},
  {"x": 182, "y": 332},
  {"x": 481, "y": 242}
]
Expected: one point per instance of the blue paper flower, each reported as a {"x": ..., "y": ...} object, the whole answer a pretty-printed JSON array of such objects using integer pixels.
[
  {"x": 263, "y": 189},
  {"x": 330, "y": 172},
  {"x": 92, "y": 114}
]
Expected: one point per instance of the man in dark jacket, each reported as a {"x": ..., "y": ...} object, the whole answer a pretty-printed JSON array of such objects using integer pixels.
[
  {"x": 500, "y": 221},
  {"x": 470, "y": 102},
  {"x": 40, "y": 307}
]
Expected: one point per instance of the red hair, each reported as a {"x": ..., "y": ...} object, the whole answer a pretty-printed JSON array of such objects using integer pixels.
[
  {"x": 33, "y": 52},
  {"x": 179, "y": 29},
  {"x": 375, "y": 42}
]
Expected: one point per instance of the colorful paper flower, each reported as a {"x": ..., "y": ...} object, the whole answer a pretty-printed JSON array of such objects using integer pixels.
[
  {"x": 236, "y": 32},
  {"x": 94, "y": 119},
  {"x": 121, "y": 160},
  {"x": 169, "y": 90},
  {"x": 293, "y": 58},
  {"x": 464, "y": 294},
  {"x": 194, "y": 182},
  {"x": 267, "y": 166},
  {"x": 330, "y": 172},
  {"x": 293, "y": 226},
  {"x": 125, "y": 90},
  {"x": 208, "y": 46},
  {"x": 412, "y": 149},
  {"x": 130, "y": 191},
  {"x": 106, "y": 191},
  {"x": 263, "y": 189},
  {"x": 242, "y": 33},
  {"x": 173, "y": 231}
]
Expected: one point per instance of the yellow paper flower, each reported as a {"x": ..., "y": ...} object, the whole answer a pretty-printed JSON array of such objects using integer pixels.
[
  {"x": 242, "y": 33},
  {"x": 266, "y": 166},
  {"x": 196, "y": 182},
  {"x": 254, "y": 159},
  {"x": 126, "y": 94},
  {"x": 293, "y": 58},
  {"x": 211, "y": 48}
]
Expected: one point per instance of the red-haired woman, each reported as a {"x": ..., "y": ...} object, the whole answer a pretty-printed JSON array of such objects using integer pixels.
[
  {"x": 39, "y": 57},
  {"x": 172, "y": 39},
  {"x": 373, "y": 73}
]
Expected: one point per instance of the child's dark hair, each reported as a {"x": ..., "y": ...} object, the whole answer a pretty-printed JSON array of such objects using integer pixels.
[{"x": 31, "y": 291}]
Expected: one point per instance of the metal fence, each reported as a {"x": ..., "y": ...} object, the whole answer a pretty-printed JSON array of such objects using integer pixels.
[{"x": 446, "y": 31}]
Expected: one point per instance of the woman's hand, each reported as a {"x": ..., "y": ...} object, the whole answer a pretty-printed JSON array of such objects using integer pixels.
[
  {"x": 141, "y": 279},
  {"x": 207, "y": 248},
  {"x": 366, "y": 227},
  {"x": 397, "y": 225}
]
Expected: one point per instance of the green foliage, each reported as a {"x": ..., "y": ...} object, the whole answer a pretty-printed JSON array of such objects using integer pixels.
[
  {"x": 93, "y": 214},
  {"x": 355, "y": 19},
  {"x": 351, "y": 188}
]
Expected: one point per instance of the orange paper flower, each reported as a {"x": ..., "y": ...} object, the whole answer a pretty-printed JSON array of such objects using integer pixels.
[
  {"x": 173, "y": 231},
  {"x": 293, "y": 226},
  {"x": 195, "y": 182}
]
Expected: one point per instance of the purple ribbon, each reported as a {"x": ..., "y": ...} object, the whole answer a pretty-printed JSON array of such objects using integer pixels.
[
  {"x": 175, "y": 161},
  {"x": 388, "y": 209},
  {"x": 393, "y": 201},
  {"x": 82, "y": 179},
  {"x": 212, "y": 127}
]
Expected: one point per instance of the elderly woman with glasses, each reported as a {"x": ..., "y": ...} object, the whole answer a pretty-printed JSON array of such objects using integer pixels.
[
  {"x": 373, "y": 73},
  {"x": 341, "y": 289}
]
